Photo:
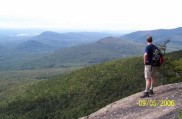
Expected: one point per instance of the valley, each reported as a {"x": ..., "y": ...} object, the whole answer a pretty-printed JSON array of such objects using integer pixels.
[{"x": 70, "y": 75}]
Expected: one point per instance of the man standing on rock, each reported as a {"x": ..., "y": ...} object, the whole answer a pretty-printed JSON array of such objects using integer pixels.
[{"x": 149, "y": 70}]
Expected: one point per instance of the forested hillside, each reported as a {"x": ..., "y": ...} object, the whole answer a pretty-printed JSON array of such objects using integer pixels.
[{"x": 86, "y": 90}]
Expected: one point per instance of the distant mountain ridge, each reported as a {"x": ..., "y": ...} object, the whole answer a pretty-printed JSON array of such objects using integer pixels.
[
  {"x": 106, "y": 49},
  {"x": 19, "y": 49},
  {"x": 63, "y": 40},
  {"x": 82, "y": 47},
  {"x": 51, "y": 41},
  {"x": 159, "y": 35}
]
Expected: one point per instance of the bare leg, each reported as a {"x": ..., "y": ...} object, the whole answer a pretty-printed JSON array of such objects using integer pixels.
[
  {"x": 153, "y": 81},
  {"x": 148, "y": 85},
  {"x": 147, "y": 89}
]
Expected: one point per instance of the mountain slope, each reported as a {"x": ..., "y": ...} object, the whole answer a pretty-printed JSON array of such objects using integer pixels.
[
  {"x": 175, "y": 36},
  {"x": 84, "y": 91},
  {"x": 164, "y": 104},
  {"x": 76, "y": 94},
  {"x": 103, "y": 50},
  {"x": 32, "y": 45}
]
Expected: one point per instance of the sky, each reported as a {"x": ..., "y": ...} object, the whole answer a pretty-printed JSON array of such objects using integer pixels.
[{"x": 93, "y": 15}]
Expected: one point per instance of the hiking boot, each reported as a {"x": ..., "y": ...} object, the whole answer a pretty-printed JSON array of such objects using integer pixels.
[
  {"x": 145, "y": 94},
  {"x": 151, "y": 92}
]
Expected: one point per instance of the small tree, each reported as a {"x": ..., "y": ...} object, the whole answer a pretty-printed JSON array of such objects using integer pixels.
[{"x": 162, "y": 46}]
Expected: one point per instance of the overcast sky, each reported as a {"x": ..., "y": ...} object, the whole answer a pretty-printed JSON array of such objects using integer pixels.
[{"x": 91, "y": 14}]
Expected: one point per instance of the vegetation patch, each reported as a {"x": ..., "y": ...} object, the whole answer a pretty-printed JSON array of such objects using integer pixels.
[{"x": 86, "y": 90}]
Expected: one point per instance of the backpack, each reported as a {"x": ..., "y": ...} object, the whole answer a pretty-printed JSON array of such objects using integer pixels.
[{"x": 157, "y": 57}]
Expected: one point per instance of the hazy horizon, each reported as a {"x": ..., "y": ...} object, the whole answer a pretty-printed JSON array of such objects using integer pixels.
[{"x": 91, "y": 15}]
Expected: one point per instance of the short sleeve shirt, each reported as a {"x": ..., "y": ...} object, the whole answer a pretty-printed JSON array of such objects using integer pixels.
[{"x": 149, "y": 51}]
